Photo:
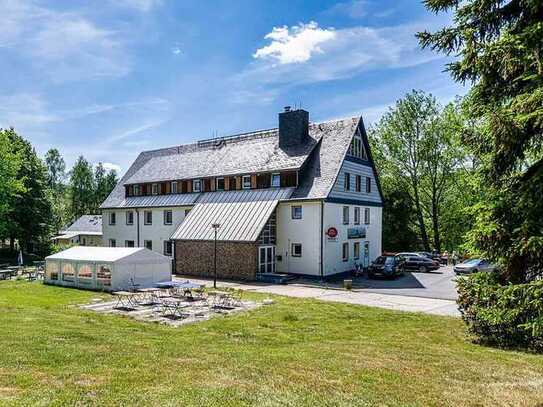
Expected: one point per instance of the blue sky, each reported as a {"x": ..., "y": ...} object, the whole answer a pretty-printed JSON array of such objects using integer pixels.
[{"x": 110, "y": 78}]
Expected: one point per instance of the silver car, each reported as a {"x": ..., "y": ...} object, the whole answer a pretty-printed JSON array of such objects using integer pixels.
[{"x": 473, "y": 266}]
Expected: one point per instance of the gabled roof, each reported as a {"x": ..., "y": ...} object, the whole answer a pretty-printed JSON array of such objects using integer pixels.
[
  {"x": 86, "y": 223},
  {"x": 319, "y": 161},
  {"x": 109, "y": 254}
]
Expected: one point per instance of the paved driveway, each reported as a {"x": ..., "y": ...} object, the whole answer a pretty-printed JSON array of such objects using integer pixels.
[{"x": 436, "y": 284}]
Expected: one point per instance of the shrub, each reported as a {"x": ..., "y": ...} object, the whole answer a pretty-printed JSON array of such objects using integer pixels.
[{"x": 504, "y": 315}]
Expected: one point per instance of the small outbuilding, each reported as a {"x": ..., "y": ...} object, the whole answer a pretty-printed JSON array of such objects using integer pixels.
[{"x": 107, "y": 268}]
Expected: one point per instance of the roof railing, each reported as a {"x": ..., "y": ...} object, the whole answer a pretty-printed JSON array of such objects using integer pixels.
[{"x": 220, "y": 141}]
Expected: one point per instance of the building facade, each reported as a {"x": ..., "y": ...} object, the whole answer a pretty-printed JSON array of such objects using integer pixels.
[
  {"x": 85, "y": 231},
  {"x": 303, "y": 198}
]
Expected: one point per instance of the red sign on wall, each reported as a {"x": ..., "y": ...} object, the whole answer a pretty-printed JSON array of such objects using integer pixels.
[{"x": 331, "y": 232}]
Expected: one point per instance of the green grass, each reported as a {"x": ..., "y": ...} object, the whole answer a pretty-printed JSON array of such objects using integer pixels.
[{"x": 294, "y": 352}]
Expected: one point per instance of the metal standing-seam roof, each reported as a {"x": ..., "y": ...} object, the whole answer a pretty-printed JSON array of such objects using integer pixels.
[
  {"x": 154, "y": 201},
  {"x": 241, "y": 215},
  {"x": 86, "y": 224}
]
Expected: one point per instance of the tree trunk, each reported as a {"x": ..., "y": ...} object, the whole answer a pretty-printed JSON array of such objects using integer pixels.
[
  {"x": 420, "y": 218},
  {"x": 435, "y": 224}
]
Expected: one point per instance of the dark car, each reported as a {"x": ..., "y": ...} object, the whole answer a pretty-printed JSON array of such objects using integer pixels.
[
  {"x": 419, "y": 263},
  {"x": 386, "y": 266}
]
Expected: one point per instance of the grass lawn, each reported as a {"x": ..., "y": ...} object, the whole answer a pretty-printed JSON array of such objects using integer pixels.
[{"x": 294, "y": 352}]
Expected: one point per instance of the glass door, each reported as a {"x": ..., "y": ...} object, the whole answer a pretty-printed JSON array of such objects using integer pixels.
[{"x": 266, "y": 259}]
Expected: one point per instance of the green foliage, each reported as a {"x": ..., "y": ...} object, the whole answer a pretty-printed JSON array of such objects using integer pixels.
[
  {"x": 56, "y": 169},
  {"x": 504, "y": 315},
  {"x": 31, "y": 213},
  {"x": 422, "y": 167},
  {"x": 82, "y": 189},
  {"x": 500, "y": 52},
  {"x": 10, "y": 185}
]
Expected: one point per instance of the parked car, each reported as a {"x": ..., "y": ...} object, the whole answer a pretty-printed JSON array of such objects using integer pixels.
[
  {"x": 416, "y": 262},
  {"x": 386, "y": 266},
  {"x": 473, "y": 266}
]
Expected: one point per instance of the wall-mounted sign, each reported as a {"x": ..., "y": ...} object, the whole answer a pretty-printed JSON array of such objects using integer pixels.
[
  {"x": 356, "y": 233},
  {"x": 331, "y": 232}
]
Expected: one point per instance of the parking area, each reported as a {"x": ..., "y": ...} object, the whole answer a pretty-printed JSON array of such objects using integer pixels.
[{"x": 437, "y": 284}]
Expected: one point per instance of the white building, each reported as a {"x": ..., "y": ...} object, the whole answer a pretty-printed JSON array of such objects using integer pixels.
[
  {"x": 85, "y": 231},
  {"x": 302, "y": 199}
]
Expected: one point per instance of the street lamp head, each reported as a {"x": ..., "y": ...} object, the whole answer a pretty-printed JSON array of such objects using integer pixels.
[{"x": 215, "y": 225}]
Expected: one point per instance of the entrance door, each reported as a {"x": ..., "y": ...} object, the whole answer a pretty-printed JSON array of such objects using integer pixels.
[
  {"x": 266, "y": 259},
  {"x": 366, "y": 256}
]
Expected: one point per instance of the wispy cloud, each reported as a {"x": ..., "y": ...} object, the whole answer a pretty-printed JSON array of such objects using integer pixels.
[
  {"x": 133, "y": 131},
  {"x": 111, "y": 166},
  {"x": 139, "y": 5},
  {"x": 64, "y": 45},
  {"x": 354, "y": 9}
]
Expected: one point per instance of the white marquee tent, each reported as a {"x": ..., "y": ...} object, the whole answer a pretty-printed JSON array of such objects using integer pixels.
[{"x": 107, "y": 268}]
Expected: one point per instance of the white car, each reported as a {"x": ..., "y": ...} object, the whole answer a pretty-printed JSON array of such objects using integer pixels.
[{"x": 473, "y": 266}]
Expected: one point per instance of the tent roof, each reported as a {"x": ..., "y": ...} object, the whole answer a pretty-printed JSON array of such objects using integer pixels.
[{"x": 104, "y": 254}]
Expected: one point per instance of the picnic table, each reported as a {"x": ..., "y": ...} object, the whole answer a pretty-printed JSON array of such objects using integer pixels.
[
  {"x": 148, "y": 296},
  {"x": 184, "y": 287},
  {"x": 5, "y": 274},
  {"x": 224, "y": 299},
  {"x": 173, "y": 308},
  {"x": 125, "y": 300}
]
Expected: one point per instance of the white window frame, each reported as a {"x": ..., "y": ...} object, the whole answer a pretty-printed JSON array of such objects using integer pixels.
[
  {"x": 166, "y": 243},
  {"x": 367, "y": 216},
  {"x": 292, "y": 251},
  {"x": 154, "y": 189},
  {"x": 128, "y": 216},
  {"x": 112, "y": 218},
  {"x": 278, "y": 175},
  {"x": 173, "y": 187},
  {"x": 196, "y": 182},
  {"x": 357, "y": 215},
  {"x": 145, "y": 244},
  {"x": 136, "y": 190},
  {"x": 356, "y": 250},
  {"x": 165, "y": 216},
  {"x": 347, "y": 181},
  {"x": 217, "y": 184},
  {"x": 145, "y": 222},
  {"x": 368, "y": 185},
  {"x": 346, "y": 215},
  {"x": 293, "y": 209},
  {"x": 345, "y": 253},
  {"x": 243, "y": 179},
  {"x": 358, "y": 183}
]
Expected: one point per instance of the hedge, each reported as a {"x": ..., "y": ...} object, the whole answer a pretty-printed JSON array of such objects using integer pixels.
[{"x": 503, "y": 315}]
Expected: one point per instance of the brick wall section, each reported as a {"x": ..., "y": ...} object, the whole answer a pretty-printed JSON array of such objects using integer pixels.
[{"x": 234, "y": 260}]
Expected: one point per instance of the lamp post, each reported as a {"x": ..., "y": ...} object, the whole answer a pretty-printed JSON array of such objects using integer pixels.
[{"x": 215, "y": 227}]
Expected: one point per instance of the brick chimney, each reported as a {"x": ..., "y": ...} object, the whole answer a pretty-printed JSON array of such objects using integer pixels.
[{"x": 293, "y": 127}]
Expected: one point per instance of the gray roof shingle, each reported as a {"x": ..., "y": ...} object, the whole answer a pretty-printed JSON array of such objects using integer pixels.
[
  {"x": 86, "y": 223},
  {"x": 320, "y": 160}
]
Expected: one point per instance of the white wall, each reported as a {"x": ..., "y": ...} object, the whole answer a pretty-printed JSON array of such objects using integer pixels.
[
  {"x": 333, "y": 217},
  {"x": 305, "y": 231},
  {"x": 157, "y": 232}
]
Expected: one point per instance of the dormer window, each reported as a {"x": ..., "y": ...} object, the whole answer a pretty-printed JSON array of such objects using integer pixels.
[
  {"x": 197, "y": 185},
  {"x": 276, "y": 180},
  {"x": 174, "y": 187},
  {"x": 357, "y": 147},
  {"x": 220, "y": 184},
  {"x": 137, "y": 191},
  {"x": 246, "y": 182},
  {"x": 155, "y": 189}
]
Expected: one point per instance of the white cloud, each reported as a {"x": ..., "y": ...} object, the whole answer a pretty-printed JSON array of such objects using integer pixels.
[
  {"x": 176, "y": 50},
  {"x": 140, "y": 5},
  {"x": 111, "y": 166},
  {"x": 295, "y": 44},
  {"x": 63, "y": 45},
  {"x": 353, "y": 9},
  {"x": 348, "y": 53},
  {"x": 26, "y": 110}
]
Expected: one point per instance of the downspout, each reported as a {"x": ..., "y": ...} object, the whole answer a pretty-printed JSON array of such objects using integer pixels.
[
  {"x": 138, "y": 226},
  {"x": 321, "y": 241}
]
